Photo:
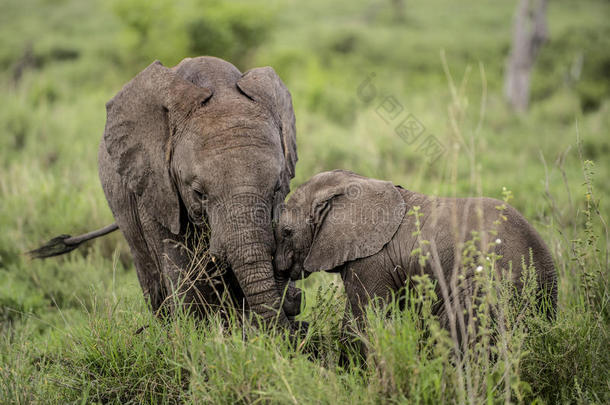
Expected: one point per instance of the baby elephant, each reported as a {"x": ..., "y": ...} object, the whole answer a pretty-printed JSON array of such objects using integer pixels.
[{"x": 341, "y": 222}]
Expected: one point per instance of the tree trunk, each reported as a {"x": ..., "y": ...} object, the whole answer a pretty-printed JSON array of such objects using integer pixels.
[{"x": 529, "y": 33}]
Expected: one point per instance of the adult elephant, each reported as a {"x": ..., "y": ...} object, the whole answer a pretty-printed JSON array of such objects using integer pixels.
[{"x": 199, "y": 142}]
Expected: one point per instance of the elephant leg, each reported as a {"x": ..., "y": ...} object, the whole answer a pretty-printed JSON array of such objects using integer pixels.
[
  {"x": 354, "y": 322},
  {"x": 353, "y": 351},
  {"x": 367, "y": 282},
  {"x": 124, "y": 208},
  {"x": 192, "y": 280},
  {"x": 457, "y": 314},
  {"x": 146, "y": 262}
]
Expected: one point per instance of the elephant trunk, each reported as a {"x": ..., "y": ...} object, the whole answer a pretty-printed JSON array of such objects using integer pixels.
[
  {"x": 290, "y": 294},
  {"x": 245, "y": 234}
]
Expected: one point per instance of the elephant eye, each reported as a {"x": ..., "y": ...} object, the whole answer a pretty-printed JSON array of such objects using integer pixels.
[
  {"x": 205, "y": 100},
  {"x": 199, "y": 194},
  {"x": 286, "y": 232}
]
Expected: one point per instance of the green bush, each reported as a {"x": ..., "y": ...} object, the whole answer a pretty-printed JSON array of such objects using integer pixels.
[
  {"x": 169, "y": 30},
  {"x": 573, "y": 59}
]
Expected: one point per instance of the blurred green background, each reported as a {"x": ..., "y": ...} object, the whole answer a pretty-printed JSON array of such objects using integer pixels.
[{"x": 61, "y": 60}]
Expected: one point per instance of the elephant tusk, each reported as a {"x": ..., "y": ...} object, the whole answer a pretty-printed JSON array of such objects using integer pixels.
[{"x": 214, "y": 259}]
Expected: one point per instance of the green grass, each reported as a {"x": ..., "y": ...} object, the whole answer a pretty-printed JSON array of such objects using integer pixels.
[{"x": 67, "y": 325}]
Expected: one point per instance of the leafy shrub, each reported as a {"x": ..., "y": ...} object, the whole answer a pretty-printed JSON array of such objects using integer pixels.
[
  {"x": 230, "y": 31},
  {"x": 573, "y": 59},
  {"x": 170, "y": 31}
]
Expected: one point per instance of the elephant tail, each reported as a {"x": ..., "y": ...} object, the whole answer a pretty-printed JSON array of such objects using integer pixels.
[{"x": 65, "y": 243}]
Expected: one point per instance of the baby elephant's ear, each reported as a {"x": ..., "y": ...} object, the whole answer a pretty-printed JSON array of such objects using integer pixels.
[{"x": 353, "y": 219}]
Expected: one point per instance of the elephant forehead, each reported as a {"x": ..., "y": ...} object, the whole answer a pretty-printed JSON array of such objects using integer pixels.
[
  {"x": 294, "y": 212},
  {"x": 333, "y": 178},
  {"x": 299, "y": 201},
  {"x": 234, "y": 132},
  {"x": 208, "y": 71},
  {"x": 231, "y": 161}
]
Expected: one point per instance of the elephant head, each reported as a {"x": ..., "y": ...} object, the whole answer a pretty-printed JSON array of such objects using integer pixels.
[
  {"x": 333, "y": 218},
  {"x": 202, "y": 141}
]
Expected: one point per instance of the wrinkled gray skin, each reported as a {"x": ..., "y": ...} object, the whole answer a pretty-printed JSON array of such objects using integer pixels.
[
  {"x": 341, "y": 222},
  {"x": 201, "y": 142}
]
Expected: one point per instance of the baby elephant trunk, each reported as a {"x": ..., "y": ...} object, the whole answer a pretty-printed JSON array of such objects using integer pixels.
[{"x": 291, "y": 296}]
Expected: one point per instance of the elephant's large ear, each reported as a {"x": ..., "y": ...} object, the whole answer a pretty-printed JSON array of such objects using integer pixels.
[
  {"x": 353, "y": 218},
  {"x": 265, "y": 86},
  {"x": 137, "y": 136}
]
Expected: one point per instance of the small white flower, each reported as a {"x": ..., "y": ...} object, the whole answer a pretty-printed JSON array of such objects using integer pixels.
[
  {"x": 479, "y": 269},
  {"x": 498, "y": 241},
  {"x": 488, "y": 259}
]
